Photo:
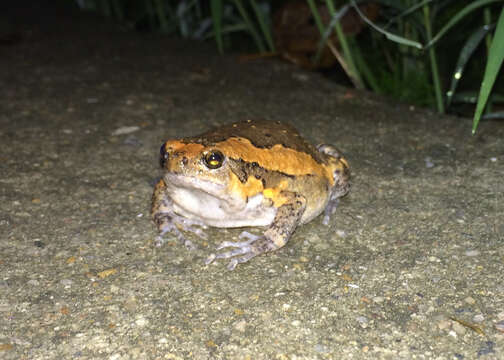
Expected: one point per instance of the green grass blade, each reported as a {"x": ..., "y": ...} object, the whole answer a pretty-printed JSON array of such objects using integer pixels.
[
  {"x": 388, "y": 35},
  {"x": 216, "y": 9},
  {"x": 266, "y": 31},
  {"x": 364, "y": 69},
  {"x": 467, "y": 50},
  {"x": 328, "y": 31},
  {"x": 164, "y": 26},
  {"x": 499, "y": 115},
  {"x": 459, "y": 16},
  {"x": 406, "y": 11},
  {"x": 228, "y": 29},
  {"x": 433, "y": 62},
  {"x": 316, "y": 16},
  {"x": 251, "y": 28},
  {"x": 494, "y": 62},
  {"x": 347, "y": 53},
  {"x": 471, "y": 97}
]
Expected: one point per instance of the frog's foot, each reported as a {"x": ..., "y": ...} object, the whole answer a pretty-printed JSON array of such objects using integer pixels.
[
  {"x": 255, "y": 245},
  {"x": 330, "y": 210},
  {"x": 169, "y": 222}
]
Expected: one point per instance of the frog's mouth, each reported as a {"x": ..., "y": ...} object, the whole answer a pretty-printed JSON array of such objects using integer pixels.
[
  {"x": 174, "y": 181},
  {"x": 200, "y": 196}
]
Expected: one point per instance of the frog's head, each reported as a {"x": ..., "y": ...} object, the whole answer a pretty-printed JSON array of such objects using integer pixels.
[{"x": 192, "y": 163}]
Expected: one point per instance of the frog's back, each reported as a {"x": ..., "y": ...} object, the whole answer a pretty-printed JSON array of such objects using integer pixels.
[{"x": 262, "y": 134}]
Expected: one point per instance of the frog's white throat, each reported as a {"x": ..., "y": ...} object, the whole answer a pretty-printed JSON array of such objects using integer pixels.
[{"x": 213, "y": 204}]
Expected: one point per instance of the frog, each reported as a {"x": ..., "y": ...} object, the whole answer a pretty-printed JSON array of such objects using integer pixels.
[{"x": 253, "y": 173}]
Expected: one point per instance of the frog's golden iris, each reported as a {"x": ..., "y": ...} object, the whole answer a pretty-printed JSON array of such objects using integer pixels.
[{"x": 214, "y": 159}]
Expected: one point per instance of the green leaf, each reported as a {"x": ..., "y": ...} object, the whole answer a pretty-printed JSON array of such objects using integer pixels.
[
  {"x": 263, "y": 25},
  {"x": 467, "y": 50},
  {"x": 316, "y": 16},
  {"x": 388, "y": 35},
  {"x": 461, "y": 14},
  {"x": 494, "y": 116},
  {"x": 494, "y": 62},
  {"x": 161, "y": 15},
  {"x": 250, "y": 26},
  {"x": 216, "y": 9}
]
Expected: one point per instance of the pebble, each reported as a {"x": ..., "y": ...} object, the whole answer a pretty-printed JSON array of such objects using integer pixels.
[
  {"x": 472, "y": 253},
  {"x": 500, "y": 316},
  {"x": 478, "y": 318},
  {"x": 66, "y": 282},
  {"x": 141, "y": 321},
  {"x": 459, "y": 328},
  {"x": 341, "y": 233},
  {"x": 470, "y": 300},
  {"x": 486, "y": 349},
  {"x": 363, "y": 321},
  {"x": 241, "y": 326},
  {"x": 125, "y": 130},
  {"x": 322, "y": 349},
  {"x": 500, "y": 326},
  {"x": 444, "y": 324},
  {"x": 378, "y": 299}
]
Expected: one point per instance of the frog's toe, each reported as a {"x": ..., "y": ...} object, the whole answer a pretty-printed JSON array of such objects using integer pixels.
[
  {"x": 330, "y": 210},
  {"x": 247, "y": 250},
  {"x": 170, "y": 227},
  {"x": 250, "y": 236}
]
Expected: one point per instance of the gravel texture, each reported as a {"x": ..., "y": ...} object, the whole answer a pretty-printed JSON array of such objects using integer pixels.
[{"x": 410, "y": 266}]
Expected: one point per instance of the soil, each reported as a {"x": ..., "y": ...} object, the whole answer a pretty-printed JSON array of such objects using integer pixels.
[{"x": 409, "y": 267}]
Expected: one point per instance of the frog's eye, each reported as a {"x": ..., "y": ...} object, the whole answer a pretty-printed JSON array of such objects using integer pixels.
[
  {"x": 163, "y": 155},
  {"x": 214, "y": 159}
]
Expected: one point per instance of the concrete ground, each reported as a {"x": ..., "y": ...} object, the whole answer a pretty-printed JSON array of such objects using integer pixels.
[{"x": 410, "y": 266}]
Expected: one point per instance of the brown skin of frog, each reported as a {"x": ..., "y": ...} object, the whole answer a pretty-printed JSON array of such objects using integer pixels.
[{"x": 252, "y": 173}]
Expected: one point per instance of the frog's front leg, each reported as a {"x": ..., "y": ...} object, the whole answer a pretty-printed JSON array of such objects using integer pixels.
[
  {"x": 167, "y": 221},
  {"x": 276, "y": 236}
]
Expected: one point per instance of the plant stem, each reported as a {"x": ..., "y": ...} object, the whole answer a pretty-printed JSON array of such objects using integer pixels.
[
  {"x": 433, "y": 61},
  {"x": 250, "y": 26},
  {"x": 347, "y": 54}
]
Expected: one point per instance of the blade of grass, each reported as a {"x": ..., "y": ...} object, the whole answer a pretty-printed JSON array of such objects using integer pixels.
[
  {"x": 467, "y": 50},
  {"x": 328, "y": 31},
  {"x": 459, "y": 16},
  {"x": 494, "y": 62},
  {"x": 316, "y": 16},
  {"x": 388, "y": 35},
  {"x": 433, "y": 61},
  {"x": 216, "y": 10},
  {"x": 251, "y": 28},
  {"x": 406, "y": 12},
  {"x": 347, "y": 54},
  {"x": 487, "y": 20},
  {"x": 493, "y": 116},
  {"x": 365, "y": 69},
  {"x": 266, "y": 31},
  {"x": 227, "y": 29},
  {"x": 161, "y": 15},
  {"x": 471, "y": 97}
]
